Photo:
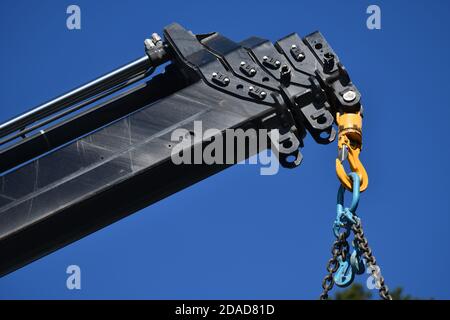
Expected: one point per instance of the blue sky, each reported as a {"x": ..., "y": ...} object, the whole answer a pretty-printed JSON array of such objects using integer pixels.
[{"x": 239, "y": 234}]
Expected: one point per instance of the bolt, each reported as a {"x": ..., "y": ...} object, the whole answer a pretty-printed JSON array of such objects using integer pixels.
[
  {"x": 251, "y": 88},
  {"x": 148, "y": 44},
  {"x": 263, "y": 94},
  {"x": 300, "y": 56},
  {"x": 214, "y": 74},
  {"x": 242, "y": 63},
  {"x": 349, "y": 96},
  {"x": 226, "y": 80},
  {"x": 252, "y": 72},
  {"x": 156, "y": 38},
  {"x": 265, "y": 58},
  {"x": 328, "y": 61},
  {"x": 293, "y": 46},
  {"x": 277, "y": 63},
  {"x": 285, "y": 74}
]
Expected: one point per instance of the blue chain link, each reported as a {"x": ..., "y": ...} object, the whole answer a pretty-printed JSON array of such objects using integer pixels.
[{"x": 345, "y": 219}]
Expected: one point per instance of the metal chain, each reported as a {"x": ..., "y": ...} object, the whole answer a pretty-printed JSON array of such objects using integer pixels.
[
  {"x": 340, "y": 248},
  {"x": 363, "y": 244}
]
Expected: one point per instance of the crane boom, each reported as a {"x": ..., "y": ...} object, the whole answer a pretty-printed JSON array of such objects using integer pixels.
[{"x": 72, "y": 166}]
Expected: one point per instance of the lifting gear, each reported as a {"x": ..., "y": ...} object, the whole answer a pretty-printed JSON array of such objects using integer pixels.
[{"x": 343, "y": 266}]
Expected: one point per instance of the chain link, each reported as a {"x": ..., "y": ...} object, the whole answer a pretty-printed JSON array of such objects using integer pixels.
[
  {"x": 363, "y": 244},
  {"x": 339, "y": 248}
]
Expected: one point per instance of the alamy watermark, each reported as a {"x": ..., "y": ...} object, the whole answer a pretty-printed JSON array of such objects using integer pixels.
[
  {"x": 73, "y": 281},
  {"x": 374, "y": 280},
  {"x": 73, "y": 21},
  {"x": 373, "y": 22},
  {"x": 234, "y": 146}
]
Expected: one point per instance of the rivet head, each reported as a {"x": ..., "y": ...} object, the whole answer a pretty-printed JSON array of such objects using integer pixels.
[
  {"x": 285, "y": 69},
  {"x": 293, "y": 46},
  {"x": 214, "y": 74},
  {"x": 242, "y": 63},
  {"x": 265, "y": 58},
  {"x": 226, "y": 80},
  {"x": 349, "y": 96}
]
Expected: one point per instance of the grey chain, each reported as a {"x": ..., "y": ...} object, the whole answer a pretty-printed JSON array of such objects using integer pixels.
[
  {"x": 339, "y": 248},
  {"x": 363, "y": 244}
]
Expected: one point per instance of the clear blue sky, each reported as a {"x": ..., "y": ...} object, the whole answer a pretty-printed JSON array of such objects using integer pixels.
[{"x": 238, "y": 234}]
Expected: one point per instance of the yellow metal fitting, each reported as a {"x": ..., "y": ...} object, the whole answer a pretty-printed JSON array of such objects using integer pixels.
[{"x": 349, "y": 147}]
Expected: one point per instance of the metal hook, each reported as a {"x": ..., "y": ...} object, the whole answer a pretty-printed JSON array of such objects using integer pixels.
[
  {"x": 356, "y": 260},
  {"x": 344, "y": 275},
  {"x": 349, "y": 148}
]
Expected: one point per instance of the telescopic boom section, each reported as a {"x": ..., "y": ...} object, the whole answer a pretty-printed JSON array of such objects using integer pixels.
[{"x": 97, "y": 86}]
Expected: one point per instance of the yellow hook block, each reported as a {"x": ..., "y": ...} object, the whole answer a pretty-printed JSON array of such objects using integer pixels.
[{"x": 349, "y": 146}]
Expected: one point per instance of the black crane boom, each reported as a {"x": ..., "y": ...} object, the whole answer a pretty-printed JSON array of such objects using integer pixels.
[{"x": 68, "y": 170}]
